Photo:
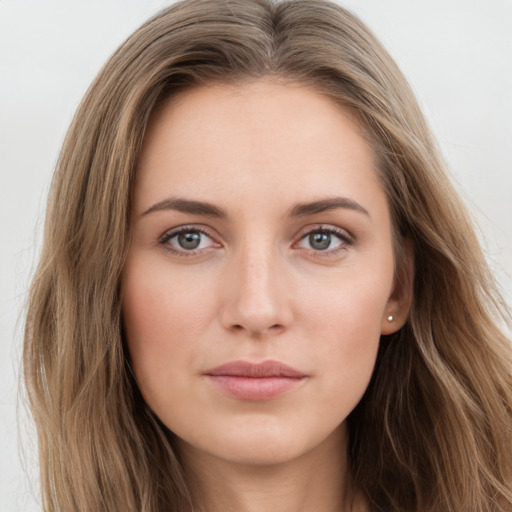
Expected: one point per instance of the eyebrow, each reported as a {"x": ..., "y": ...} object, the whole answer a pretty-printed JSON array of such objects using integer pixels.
[
  {"x": 210, "y": 210},
  {"x": 326, "y": 205},
  {"x": 188, "y": 206}
]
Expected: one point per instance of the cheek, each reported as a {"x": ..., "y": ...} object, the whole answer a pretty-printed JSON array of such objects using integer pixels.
[
  {"x": 351, "y": 301},
  {"x": 155, "y": 296},
  {"x": 348, "y": 342},
  {"x": 164, "y": 315},
  {"x": 345, "y": 318}
]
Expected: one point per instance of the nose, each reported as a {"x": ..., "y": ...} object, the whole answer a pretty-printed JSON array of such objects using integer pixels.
[{"x": 256, "y": 294}]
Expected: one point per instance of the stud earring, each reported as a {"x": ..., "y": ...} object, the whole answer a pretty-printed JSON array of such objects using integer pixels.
[{"x": 390, "y": 318}]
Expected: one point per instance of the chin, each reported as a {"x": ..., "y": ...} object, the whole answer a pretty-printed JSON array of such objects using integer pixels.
[{"x": 265, "y": 442}]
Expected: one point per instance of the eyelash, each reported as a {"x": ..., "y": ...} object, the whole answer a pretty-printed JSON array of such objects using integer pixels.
[
  {"x": 342, "y": 235},
  {"x": 168, "y": 235}
]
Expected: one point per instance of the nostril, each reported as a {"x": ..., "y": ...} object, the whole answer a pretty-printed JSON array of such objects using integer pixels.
[{"x": 258, "y": 332}]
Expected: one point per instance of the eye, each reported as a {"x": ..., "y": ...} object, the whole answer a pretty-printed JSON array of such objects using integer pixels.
[
  {"x": 187, "y": 241},
  {"x": 328, "y": 240}
]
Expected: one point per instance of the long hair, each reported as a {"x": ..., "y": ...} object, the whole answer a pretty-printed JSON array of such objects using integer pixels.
[{"x": 433, "y": 432}]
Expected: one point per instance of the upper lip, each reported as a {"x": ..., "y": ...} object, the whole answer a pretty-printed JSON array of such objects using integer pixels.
[{"x": 255, "y": 370}]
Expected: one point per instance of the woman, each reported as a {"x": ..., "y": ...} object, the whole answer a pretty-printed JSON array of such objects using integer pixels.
[{"x": 258, "y": 288}]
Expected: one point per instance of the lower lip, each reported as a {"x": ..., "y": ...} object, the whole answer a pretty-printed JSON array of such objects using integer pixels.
[{"x": 251, "y": 388}]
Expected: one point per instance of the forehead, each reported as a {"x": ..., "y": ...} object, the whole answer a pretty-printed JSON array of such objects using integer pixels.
[{"x": 256, "y": 137}]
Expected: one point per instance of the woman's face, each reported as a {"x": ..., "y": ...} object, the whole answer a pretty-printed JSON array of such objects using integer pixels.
[{"x": 260, "y": 274}]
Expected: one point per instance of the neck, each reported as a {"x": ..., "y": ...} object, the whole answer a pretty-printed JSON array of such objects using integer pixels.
[{"x": 317, "y": 480}]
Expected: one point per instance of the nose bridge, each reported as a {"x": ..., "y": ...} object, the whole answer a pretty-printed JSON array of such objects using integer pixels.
[{"x": 257, "y": 295}]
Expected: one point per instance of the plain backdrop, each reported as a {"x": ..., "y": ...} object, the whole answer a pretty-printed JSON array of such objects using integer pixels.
[{"x": 457, "y": 55}]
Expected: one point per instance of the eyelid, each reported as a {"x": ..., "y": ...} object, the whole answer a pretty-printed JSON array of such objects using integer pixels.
[
  {"x": 328, "y": 228},
  {"x": 171, "y": 233},
  {"x": 343, "y": 235}
]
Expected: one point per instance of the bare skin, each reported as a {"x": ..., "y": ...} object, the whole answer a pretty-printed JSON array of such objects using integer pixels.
[
  {"x": 300, "y": 485},
  {"x": 261, "y": 234}
]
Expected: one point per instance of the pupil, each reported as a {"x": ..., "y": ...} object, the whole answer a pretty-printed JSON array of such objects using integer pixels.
[
  {"x": 320, "y": 241},
  {"x": 189, "y": 240}
]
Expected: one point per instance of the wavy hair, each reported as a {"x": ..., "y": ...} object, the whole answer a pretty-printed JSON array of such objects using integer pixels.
[{"x": 433, "y": 432}]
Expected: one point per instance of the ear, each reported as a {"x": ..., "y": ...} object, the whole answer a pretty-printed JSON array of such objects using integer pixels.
[{"x": 399, "y": 302}]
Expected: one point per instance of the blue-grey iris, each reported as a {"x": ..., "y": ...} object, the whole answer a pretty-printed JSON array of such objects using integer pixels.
[
  {"x": 320, "y": 241},
  {"x": 189, "y": 240}
]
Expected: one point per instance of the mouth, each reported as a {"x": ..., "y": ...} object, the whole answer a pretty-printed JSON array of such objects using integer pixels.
[{"x": 244, "y": 380}]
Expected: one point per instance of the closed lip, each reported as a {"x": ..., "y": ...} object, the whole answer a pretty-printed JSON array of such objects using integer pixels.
[
  {"x": 249, "y": 381},
  {"x": 262, "y": 370}
]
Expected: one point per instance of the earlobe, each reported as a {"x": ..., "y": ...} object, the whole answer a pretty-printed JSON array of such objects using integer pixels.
[
  {"x": 393, "y": 323},
  {"x": 399, "y": 302}
]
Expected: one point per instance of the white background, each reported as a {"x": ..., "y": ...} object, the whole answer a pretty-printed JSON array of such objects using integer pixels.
[{"x": 456, "y": 53}]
